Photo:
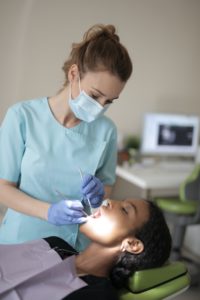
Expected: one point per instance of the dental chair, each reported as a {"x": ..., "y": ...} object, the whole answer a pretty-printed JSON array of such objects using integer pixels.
[
  {"x": 165, "y": 282},
  {"x": 183, "y": 212}
]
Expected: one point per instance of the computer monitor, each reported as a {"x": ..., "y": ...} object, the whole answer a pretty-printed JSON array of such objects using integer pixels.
[{"x": 170, "y": 135}]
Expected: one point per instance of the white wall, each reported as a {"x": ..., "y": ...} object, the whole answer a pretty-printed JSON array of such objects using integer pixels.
[{"x": 162, "y": 36}]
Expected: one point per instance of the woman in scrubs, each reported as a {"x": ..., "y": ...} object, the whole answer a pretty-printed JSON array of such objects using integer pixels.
[
  {"x": 45, "y": 143},
  {"x": 126, "y": 236}
]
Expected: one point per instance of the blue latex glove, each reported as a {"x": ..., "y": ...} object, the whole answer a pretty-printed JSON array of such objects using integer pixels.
[
  {"x": 92, "y": 189},
  {"x": 66, "y": 212}
]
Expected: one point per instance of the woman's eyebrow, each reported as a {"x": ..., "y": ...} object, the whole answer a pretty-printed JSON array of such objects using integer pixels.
[
  {"x": 133, "y": 206},
  {"x": 98, "y": 91}
]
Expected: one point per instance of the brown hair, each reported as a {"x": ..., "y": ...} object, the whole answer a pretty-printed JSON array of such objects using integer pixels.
[{"x": 100, "y": 49}]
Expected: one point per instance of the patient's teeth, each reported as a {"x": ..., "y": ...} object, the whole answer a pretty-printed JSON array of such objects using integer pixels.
[{"x": 105, "y": 202}]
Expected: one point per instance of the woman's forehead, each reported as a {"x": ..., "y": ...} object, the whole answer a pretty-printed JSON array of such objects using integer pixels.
[
  {"x": 142, "y": 207},
  {"x": 140, "y": 203},
  {"x": 137, "y": 200}
]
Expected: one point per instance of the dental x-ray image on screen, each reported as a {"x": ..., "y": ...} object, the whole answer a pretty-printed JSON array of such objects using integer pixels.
[
  {"x": 170, "y": 134},
  {"x": 175, "y": 135}
]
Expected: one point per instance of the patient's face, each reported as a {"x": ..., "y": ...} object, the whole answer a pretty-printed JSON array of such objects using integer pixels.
[{"x": 116, "y": 221}]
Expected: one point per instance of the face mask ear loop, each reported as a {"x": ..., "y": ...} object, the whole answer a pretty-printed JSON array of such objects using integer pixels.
[
  {"x": 79, "y": 83},
  {"x": 70, "y": 87},
  {"x": 70, "y": 91}
]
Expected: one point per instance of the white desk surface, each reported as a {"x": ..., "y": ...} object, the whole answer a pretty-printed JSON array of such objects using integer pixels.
[{"x": 156, "y": 176}]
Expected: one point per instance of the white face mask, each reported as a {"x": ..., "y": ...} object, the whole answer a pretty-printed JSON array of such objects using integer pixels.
[{"x": 85, "y": 107}]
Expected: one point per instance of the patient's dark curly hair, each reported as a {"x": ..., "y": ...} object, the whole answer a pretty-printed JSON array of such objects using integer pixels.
[{"x": 156, "y": 238}]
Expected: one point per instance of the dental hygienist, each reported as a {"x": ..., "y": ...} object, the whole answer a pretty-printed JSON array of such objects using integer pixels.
[{"x": 45, "y": 142}]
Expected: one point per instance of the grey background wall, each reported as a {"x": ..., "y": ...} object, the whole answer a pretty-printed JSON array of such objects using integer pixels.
[{"x": 162, "y": 36}]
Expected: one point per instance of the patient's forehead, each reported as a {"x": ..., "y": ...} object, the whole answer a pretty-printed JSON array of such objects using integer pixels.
[
  {"x": 138, "y": 201},
  {"x": 135, "y": 200},
  {"x": 143, "y": 208}
]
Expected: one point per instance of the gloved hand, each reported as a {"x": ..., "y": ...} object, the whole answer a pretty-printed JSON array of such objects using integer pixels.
[
  {"x": 66, "y": 212},
  {"x": 92, "y": 189}
]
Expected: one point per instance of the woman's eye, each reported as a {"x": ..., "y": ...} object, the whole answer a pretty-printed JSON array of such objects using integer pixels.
[
  {"x": 94, "y": 97},
  {"x": 109, "y": 102}
]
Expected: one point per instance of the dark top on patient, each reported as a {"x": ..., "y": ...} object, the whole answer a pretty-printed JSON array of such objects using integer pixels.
[{"x": 98, "y": 288}]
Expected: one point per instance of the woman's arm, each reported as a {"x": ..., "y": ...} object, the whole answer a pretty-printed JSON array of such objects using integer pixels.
[{"x": 12, "y": 197}]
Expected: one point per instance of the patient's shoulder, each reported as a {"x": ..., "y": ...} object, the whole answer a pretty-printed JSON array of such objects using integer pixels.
[{"x": 60, "y": 246}]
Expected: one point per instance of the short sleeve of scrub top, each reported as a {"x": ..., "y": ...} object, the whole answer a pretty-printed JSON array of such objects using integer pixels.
[
  {"x": 43, "y": 157},
  {"x": 12, "y": 145}
]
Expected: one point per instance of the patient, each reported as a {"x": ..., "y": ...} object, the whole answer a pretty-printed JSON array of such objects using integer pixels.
[{"x": 126, "y": 236}]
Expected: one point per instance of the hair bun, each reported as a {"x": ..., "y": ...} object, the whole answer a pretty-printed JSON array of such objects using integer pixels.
[
  {"x": 100, "y": 30},
  {"x": 100, "y": 49}
]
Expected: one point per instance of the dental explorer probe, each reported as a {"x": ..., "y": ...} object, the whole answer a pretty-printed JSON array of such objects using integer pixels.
[{"x": 81, "y": 174}]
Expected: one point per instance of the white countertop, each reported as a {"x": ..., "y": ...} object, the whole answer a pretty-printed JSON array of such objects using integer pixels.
[{"x": 156, "y": 175}]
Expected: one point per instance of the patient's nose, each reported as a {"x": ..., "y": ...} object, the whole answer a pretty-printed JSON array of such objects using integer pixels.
[
  {"x": 114, "y": 203},
  {"x": 110, "y": 203}
]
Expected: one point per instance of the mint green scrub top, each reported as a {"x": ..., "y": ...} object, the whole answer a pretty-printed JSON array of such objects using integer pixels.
[{"x": 43, "y": 157}]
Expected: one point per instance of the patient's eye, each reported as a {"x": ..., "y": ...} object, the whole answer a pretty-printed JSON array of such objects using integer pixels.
[{"x": 125, "y": 210}]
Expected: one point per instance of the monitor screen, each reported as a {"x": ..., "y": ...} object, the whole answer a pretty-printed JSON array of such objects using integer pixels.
[{"x": 170, "y": 134}]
